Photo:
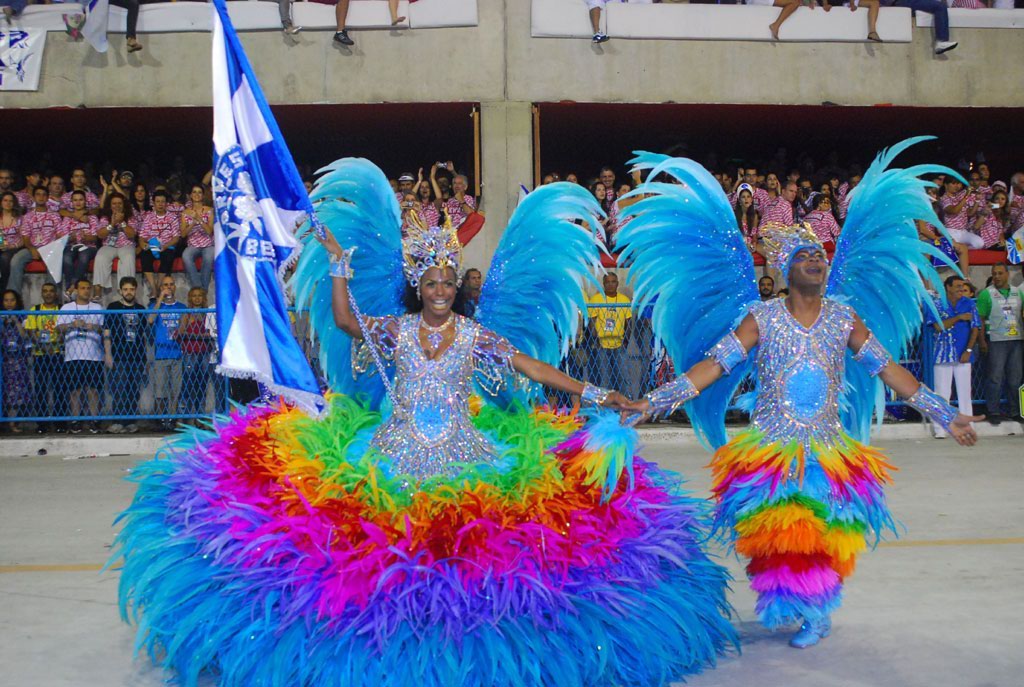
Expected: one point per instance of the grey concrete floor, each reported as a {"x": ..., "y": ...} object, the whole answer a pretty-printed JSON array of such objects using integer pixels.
[{"x": 941, "y": 606}]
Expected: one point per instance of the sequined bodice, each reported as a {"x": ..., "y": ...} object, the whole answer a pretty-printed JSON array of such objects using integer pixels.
[
  {"x": 430, "y": 429},
  {"x": 800, "y": 372}
]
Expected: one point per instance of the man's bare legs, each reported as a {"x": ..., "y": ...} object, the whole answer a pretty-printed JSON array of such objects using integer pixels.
[{"x": 340, "y": 16}]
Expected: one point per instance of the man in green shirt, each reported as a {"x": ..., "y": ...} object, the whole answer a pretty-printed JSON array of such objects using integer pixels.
[{"x": 1000, "y": 306}]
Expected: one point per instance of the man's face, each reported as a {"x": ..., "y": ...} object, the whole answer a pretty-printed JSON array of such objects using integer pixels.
[
  {"x": 78, "y": 178},
  {"x": 6, "y": 179},
  {"x": 750, "y": 176},
  {"x": 984, "y": 172},
  {"x": 49, "y": 294},
  {"x": 474, "y": 279},
  {"x": 167, "y": 289},
  {"x": 128, "y": 293},
  {"x": 789, "y": 193},
  {"x": 10, "y": 302},
  {"x": 766, "y": 286},
  {"x": 160, "y": 204},
  {"x": 56, "y": 186},
  {"x": 955, "y": 290},
  {"x": 1000, "y": 277},
  {"x": 125, "y": 180},
  {"x": 611, "y": 284},
  {"x": 806, "y": 188},
  {"x": 808, "y": 268},
  {"x": 953, "y": 186},
  {"x": 405, "y": 186},
  {"x": 854, "y": 180},
  {"x": 83, "y": 291},
  {"x": 608, "y": 178},
  {"x": 975, "y": 180},
  {"x": 459, "y": 184},
  {"x": 32, "y": 179},
  {"x": 40, "y": 196}
]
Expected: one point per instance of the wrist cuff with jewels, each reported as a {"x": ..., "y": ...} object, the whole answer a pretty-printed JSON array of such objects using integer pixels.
[
  {"x": 728, "y": 352},
  {"x": 593, "y": 395},
  {"x": 932, "y": 406},
  {"x": 665, "y": 399},
  {"x": 872, "y": 356},
  {"x": 341, "y": 265}
]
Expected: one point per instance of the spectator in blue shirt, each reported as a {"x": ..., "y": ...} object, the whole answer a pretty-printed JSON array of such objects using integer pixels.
[
  {"x": 166, "y": 375},
  {"x": 956, "y": 331}
]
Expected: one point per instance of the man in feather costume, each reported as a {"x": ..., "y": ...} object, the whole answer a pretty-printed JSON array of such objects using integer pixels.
[
  {"x": 416, "y": 535},
  {"x": 797, "y": 493}
]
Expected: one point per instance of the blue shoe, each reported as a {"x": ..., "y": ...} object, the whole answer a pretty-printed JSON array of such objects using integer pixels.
[{"x": 811, "y": 632}]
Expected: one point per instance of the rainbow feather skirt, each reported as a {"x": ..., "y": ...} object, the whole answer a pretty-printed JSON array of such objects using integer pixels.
[
  {"x": 800, "y": 518},
  {"x": 279, "y": 550}
]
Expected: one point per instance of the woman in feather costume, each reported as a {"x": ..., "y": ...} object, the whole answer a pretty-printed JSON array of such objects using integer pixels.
[
  {"x": 795, "y": 492},
  {"x": 415, "y": 536}
]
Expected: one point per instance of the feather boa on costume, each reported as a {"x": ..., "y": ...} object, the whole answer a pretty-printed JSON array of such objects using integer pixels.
[{"x": 279, "y": 550}]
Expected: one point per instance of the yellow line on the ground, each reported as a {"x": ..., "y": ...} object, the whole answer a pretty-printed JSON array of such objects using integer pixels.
[
  {"x": 953, "y": 542},
  {"x": 77, "y": 567}
]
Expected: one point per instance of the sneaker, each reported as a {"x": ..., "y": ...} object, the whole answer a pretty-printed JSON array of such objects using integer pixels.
[
  {"x": 61, "y": 429},
  {"x": 341, "y": 38},
  {"x": 290, "y": 28},
  {"x": 811, "y": 632},
  {"x": 944, "y": 46},
  {"x": 116, "y": 428},
  {"x": 600, "y": 38},
  {"x": 76, "y": 428},
  {"x": 92, "y": 428},
  {"x": 995, "y": 419}
]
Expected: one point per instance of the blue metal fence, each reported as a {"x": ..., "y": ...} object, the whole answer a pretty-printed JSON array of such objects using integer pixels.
[{"x": 70, "y": 370}]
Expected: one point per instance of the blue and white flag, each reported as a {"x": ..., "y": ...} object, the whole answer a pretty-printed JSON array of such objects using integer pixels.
[
  {"x": 97, "y": 15},
  {"x": 259, "y": 201}
]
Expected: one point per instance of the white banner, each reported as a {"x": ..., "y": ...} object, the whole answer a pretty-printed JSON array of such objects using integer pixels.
[{"x": 21, "y": 58}]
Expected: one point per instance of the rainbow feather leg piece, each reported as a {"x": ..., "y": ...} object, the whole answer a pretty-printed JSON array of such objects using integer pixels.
[
  {"x": 281, "y": 551},
  {"x": 800, "y": 518}
]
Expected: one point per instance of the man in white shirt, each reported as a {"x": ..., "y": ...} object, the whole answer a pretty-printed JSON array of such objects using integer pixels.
[{"x": 83, "y": 352}]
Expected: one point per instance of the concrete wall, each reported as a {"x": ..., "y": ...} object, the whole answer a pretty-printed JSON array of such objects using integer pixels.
[{"x": 499, "y": 65}]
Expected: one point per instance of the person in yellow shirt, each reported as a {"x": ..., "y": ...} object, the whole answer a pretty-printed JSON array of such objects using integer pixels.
[
  {"x": 48, "y": 359},
  {"x": 610, "y": 325}
]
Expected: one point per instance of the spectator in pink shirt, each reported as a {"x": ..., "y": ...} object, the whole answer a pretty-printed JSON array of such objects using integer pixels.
[
  {"x": 823, "y": 222},
  {"x": 425, "y": 206},
  {"x": 955, "y": 216},
  {"x": 992, "y": 220},
  {"x": 1017, "y": 199},
  {"x": 26, "y": 196},
  {"x": 844, "y": 196},
  {"x": 92, "y": 203},
  {"x": 117, "y": 231},
  {"x": 81, "y": 229},
  {"x": 56, "y": 187},
  {"x": 779, "y": 210},
  {"x": 13, "y": 254},
  {"x": 41, "y": 226},
  {"x": 197, "y": 225},
  {"x": 461, "y": 205},
  {"x": 747, "y": 216},
  {"x": 748, "y": 176},
  {"x": 159, "y": 239}
]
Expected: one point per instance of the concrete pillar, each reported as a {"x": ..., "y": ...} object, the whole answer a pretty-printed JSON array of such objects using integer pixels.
[{"x": 506, "y": 141}]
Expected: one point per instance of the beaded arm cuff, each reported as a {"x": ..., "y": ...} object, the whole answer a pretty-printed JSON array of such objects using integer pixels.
[
  {"x": 666, "y": 398},
  {"x": 728, "y": 352},
  {"x": 341, "y": 266},
  {"x": 873, "y": 356},
  {"x": 932, "y": 406},
  {"x": 593, "y": 395}
]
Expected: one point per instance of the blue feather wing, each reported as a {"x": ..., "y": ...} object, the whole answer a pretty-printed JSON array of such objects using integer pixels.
[
  {"x": 683, "y": 247},
  {"x": 533, "y": 295},
  {"x": 879, "y": 269},
  {"x": 354, "y": 200}
]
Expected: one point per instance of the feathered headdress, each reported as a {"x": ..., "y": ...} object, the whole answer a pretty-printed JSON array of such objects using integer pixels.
[
  {"x": 426, "y": 247},
  {"x": 781, "y": 243}
]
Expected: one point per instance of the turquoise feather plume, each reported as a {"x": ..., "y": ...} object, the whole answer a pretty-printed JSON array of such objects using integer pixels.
[
  {"x": 533, "y": 295},
  {"x": 879, "y": 268},
  {"x": 683, "y": 247},
  {"x": 354, "y": 200}
]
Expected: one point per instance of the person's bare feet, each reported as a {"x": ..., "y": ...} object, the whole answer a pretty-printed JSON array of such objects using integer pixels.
[{"x": 775, "y": 31}]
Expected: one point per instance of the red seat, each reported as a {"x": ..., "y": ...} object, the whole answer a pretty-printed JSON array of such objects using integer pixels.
[
  {"x": 987, "y": 257},
  {"x": 39, "y": 267}
]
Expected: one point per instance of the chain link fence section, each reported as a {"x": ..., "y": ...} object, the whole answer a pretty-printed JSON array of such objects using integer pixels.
[{"x": 71, "y": 371}]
